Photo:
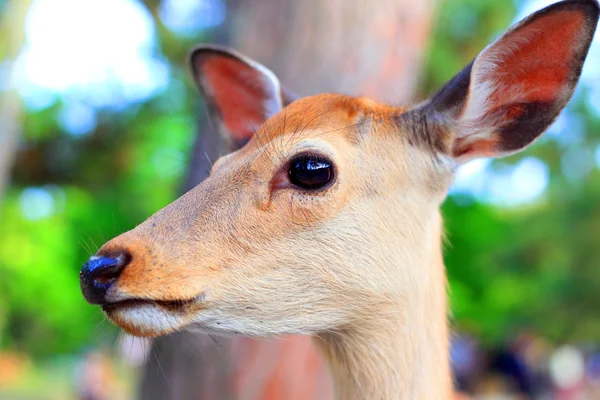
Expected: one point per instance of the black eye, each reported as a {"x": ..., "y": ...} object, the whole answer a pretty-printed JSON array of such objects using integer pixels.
[{"x": 310, "y": 171}]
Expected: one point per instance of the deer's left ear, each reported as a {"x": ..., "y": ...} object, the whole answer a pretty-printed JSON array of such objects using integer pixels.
[
  {"x": 240, "y": 93},
  {"x": 516, "y": 87}
]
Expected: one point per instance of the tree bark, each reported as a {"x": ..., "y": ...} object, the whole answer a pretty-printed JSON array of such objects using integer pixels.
[{"x": 357, "y": 47}]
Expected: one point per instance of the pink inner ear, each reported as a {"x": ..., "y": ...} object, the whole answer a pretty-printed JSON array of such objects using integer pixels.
[
  {"x": 482, "y": 147},
  {"x": 538, "y": 63},
  {"x": 239, "y": 93}
]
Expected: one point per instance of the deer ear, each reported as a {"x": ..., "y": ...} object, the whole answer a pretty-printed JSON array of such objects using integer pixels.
[
  {"x": 516, "y": 87},
  {"x": 240, "y": 93}
]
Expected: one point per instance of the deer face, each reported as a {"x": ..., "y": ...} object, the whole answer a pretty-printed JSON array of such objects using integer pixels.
[
  {"x": 329, "y": 209},
  {"x": 284, "y": 228}
]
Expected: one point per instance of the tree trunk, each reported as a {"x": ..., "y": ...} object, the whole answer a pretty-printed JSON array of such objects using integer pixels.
[{"x": 357, "y": 47}]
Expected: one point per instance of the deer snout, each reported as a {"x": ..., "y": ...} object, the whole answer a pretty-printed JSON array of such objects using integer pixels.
[{"x": 99, "y": 274}]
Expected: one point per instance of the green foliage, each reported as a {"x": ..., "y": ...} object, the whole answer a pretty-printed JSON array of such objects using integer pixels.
[
  {"x": 96, "y": 186},
  {"x": 462, "y": 29},
  {"x": 38, "y": 264},
  {"x": 527, "y": 268},
  {"x": 104, "y": 184}
]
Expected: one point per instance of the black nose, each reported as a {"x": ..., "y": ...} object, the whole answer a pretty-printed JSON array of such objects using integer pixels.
[{"x": 98, "y": 274}]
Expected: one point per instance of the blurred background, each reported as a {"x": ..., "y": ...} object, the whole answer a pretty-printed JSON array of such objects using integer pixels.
[{"x": 101, "y": 125}]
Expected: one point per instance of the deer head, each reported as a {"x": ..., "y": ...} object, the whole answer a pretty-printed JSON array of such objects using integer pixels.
[{"x": 327, "y": 217}]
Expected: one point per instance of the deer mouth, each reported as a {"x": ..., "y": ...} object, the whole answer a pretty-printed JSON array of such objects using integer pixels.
[
  {"x": 151, "y": 318},
  {"x": 170, "y": 305}
]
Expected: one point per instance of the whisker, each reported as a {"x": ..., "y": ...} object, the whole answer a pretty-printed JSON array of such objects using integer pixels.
[{"x": 153, "y": 352}]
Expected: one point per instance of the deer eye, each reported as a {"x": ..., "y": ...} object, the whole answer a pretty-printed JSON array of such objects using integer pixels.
[{"x": 310, "y": 171}]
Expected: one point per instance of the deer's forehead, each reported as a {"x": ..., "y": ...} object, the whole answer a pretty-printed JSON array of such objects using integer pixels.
[
  {"x": 335, "y": 114},
  {"x": 353, "y": 130}
]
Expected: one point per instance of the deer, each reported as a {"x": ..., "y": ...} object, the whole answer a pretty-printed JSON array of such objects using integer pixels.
[{"x": 326, "y": 219}]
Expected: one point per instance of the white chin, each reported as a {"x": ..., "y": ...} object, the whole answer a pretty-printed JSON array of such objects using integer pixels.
[{"x": 146, "y": 319}]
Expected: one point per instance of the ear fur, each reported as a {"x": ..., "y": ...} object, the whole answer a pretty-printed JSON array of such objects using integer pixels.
[
  {"x": 240, "y": 93},
  {"x": 516, "y": 87}
]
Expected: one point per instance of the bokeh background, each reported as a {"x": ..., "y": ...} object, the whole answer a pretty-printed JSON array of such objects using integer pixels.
[{"x": 101, "y": 125}]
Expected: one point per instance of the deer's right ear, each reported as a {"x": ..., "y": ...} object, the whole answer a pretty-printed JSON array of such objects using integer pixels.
[{"x": 240, "y": 93}]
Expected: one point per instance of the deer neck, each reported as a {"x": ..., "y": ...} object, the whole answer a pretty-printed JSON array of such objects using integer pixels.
[{"x": 401, "y": 350}]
